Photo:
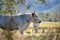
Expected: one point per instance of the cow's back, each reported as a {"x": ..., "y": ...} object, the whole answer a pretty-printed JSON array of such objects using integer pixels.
[{"x": 5, "y": 20}]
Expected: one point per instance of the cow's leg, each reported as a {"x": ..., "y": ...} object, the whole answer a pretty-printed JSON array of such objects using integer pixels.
[
  {"x": 35, "y": 27},
  {"x": 36, "y": 30},
  {"x": 20, "y": 29}
]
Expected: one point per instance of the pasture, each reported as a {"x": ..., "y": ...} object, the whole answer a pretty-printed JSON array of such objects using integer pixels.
[{"x": 47, "y": 31}]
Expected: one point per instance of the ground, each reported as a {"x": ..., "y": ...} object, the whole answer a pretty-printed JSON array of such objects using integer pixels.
[{"x": 47, "y": 31}]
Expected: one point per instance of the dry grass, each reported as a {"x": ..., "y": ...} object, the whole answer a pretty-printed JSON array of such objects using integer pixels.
[
  {"x": 29, "y": 35},
  {"x": 46, "y": 24},
  {"x": 50, "y": 24}
]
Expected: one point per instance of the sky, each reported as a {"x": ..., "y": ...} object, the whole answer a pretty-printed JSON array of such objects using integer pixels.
[
  {"x": 41, "y": 7},
  {"x": 55, "y": 9}
]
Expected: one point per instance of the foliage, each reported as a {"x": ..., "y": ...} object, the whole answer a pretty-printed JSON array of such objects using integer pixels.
[
  {"x": 36, "y": 2},
  {"x": 53, "y": 17},
  {"x": 8, "y": 5}
]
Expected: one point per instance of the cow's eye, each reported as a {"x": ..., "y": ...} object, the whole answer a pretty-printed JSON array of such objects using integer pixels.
[
  {"x": 36, "y": 16},
  {"x": 35, "y": 19}
]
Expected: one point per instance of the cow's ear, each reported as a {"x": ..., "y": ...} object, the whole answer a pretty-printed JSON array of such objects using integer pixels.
[{"x": 33, "y": 13}]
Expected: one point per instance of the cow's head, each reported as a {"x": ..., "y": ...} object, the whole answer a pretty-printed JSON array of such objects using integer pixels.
[{"x": 35, "y": 18}]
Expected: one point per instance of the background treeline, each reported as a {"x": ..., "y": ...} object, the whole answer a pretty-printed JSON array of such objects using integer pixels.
[{"x": 52, "y": 17}]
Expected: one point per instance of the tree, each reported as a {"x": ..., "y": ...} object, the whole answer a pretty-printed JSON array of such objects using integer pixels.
[{"x": 9, "y": 8}]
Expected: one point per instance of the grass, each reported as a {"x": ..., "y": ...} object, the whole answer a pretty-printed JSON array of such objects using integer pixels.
[
  {"x": 29, "y": 35},
  {"x": 45, "y": 24},
  {"x": 50, "y": 24}
]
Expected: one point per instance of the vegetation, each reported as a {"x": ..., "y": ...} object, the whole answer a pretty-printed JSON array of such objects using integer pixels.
[
  {"x": 49, "y": 33},
  {"x": 52, "y": 17}
]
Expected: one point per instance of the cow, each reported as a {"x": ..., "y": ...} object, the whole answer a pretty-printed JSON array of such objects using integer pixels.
[{"x": 20, "y": 22}]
